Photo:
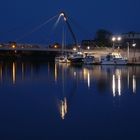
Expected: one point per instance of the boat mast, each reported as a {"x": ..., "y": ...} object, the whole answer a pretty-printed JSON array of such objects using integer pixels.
[{"x": 69, "y": 27}]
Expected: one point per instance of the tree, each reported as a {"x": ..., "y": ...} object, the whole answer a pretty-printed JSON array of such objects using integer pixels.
[{"x": 102, "y": 38}]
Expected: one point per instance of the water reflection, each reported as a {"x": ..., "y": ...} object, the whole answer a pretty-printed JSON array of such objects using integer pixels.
[
  {"x": 13, "y": 73},
  {"x": 36, "y": 93},
  {"x": 120, "y": 76},
  {"x": 87, "y": 76},
  {"x": 63, "y": 107},
  {"x": 100, "y": 78},
  {"x": 1, "y": 72},
  {"x": 116, "y": 83},
  {"x": 134, "y": 84}
]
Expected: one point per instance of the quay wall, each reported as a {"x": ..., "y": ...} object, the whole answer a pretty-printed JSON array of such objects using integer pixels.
[
  {"x": 50, "y": 54},
  {"x": 131, "y": 54}
]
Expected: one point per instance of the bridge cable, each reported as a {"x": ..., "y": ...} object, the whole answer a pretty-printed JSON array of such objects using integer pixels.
[{"x": 36, "y": 28}]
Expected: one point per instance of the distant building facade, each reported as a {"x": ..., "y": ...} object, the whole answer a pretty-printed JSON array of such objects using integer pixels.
[
  {"x": 131, "y": 37},
  {"x": 85, "y": 44}
]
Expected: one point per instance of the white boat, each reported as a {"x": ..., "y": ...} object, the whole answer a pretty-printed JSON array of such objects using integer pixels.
[
  {"x": 62, "y": 59},
  {"x": 89, "y": 60},
  {"x": 76, "y": 57},
  {"x": 113, "y": 59}
]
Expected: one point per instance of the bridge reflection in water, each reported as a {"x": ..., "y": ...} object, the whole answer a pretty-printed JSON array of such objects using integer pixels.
[{"x": 68, "y": 80}]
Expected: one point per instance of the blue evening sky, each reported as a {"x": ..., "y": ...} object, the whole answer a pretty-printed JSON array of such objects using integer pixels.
[{"x": 19, "y": 17}]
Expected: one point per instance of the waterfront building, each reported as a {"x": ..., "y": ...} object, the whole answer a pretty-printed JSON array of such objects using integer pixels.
[
  {"x": 131, "y": 37},
  {"x": 85, "y": 44}
]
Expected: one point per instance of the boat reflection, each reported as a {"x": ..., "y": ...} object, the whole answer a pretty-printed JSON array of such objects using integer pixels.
[
  {"x": 116, "y": 83},
  {"x": 13, "y": 73},
  {"x": 134, "y": 84},
  {"x": 67, "y": 80},
  {"x": 63, "y": 107},
  {"x": 100, "y": 78},
  {"x": 121, "y": 76},
  {"x": 60, "y": 77}
]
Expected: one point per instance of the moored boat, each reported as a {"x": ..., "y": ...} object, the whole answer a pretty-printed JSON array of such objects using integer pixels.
[
  {"x": 89, "y": 60},
  {"x": 62, "y": 59},
  {"x": 113, "y": 59},
  {"x": 76, "y": 57}
]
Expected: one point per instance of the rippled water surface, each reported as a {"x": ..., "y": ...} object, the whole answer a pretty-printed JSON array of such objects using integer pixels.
[{"x": 47, "y": 101}]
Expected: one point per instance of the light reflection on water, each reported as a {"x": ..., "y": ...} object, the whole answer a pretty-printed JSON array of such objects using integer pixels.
[
  {"x": 20, "y": 71},
  {"x": 90, "y": 75},
  {"x": 69, "y": 85}
]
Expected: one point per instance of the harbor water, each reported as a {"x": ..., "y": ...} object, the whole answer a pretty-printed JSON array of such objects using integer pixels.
[{"x": 50, "y": 101}]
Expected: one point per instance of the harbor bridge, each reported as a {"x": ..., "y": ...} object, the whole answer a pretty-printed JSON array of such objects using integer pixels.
[{"x": 16, "y": 50}]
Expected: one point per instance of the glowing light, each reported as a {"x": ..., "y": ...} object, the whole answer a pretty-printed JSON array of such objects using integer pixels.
[
  {"x": 119, "y": 85},
  {"x": 85, "y": 73},
  {"x": 134, "y": 44},
  {"x": 63, "y": 108},
  {"x": 55, "y": 46},
  {"x": 14, "y": 73},
  {"x": 13, "y": 46},
  {"x": 88, "y": 79},
  {"x": 62, "y": 14},
  {"x": 74, "y": 74},
  {"x": 88, "y": 47},
  {"x": 119, "y": 38},
  {"x": 113, "y": 86},
  {"x": 74, "y": 49},
  {"x": 128, "y": 78},
  {"x": 113, "y": 38},
  {"x": 134, "y": 84},
  {"x": 65, "y": 18},
  {"x": 55, "y": 72}
]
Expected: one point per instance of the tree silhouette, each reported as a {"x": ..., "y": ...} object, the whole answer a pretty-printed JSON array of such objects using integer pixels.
[{"x": 103, "y": 38}]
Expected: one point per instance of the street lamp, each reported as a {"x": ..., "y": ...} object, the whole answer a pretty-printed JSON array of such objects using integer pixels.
[
  {"x": 13, "y": 46},
  {"x": 134, "y": 46},
  {"x": 113, "y": 40},
  {"x": 74, "y": 49},
  {"x": 88, "y": 47},
  {"x": 116, "y": 39},
  {"x": 128, "y": 54},
  {"x": 119, "y": 38}
]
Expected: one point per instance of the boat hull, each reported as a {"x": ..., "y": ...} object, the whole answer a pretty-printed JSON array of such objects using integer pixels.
[
  {"x": 113, "y": 59},
  {"x": 61, "y": 59},
  {"x": 76, "y": 60},
  {"x": 89, "y": 60},
  {"x": 118, "y": 62}
]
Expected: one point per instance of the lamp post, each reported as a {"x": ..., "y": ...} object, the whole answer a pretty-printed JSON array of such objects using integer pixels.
[
  {"x": 128, "y": 54},
  {"x": 88, "y": 47},
  {"x": 116, "y": 39},
  {"x": 113, "y": 40},
  {"x": 134, "y": 46},
  {"x": 119, "y": 39}
]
